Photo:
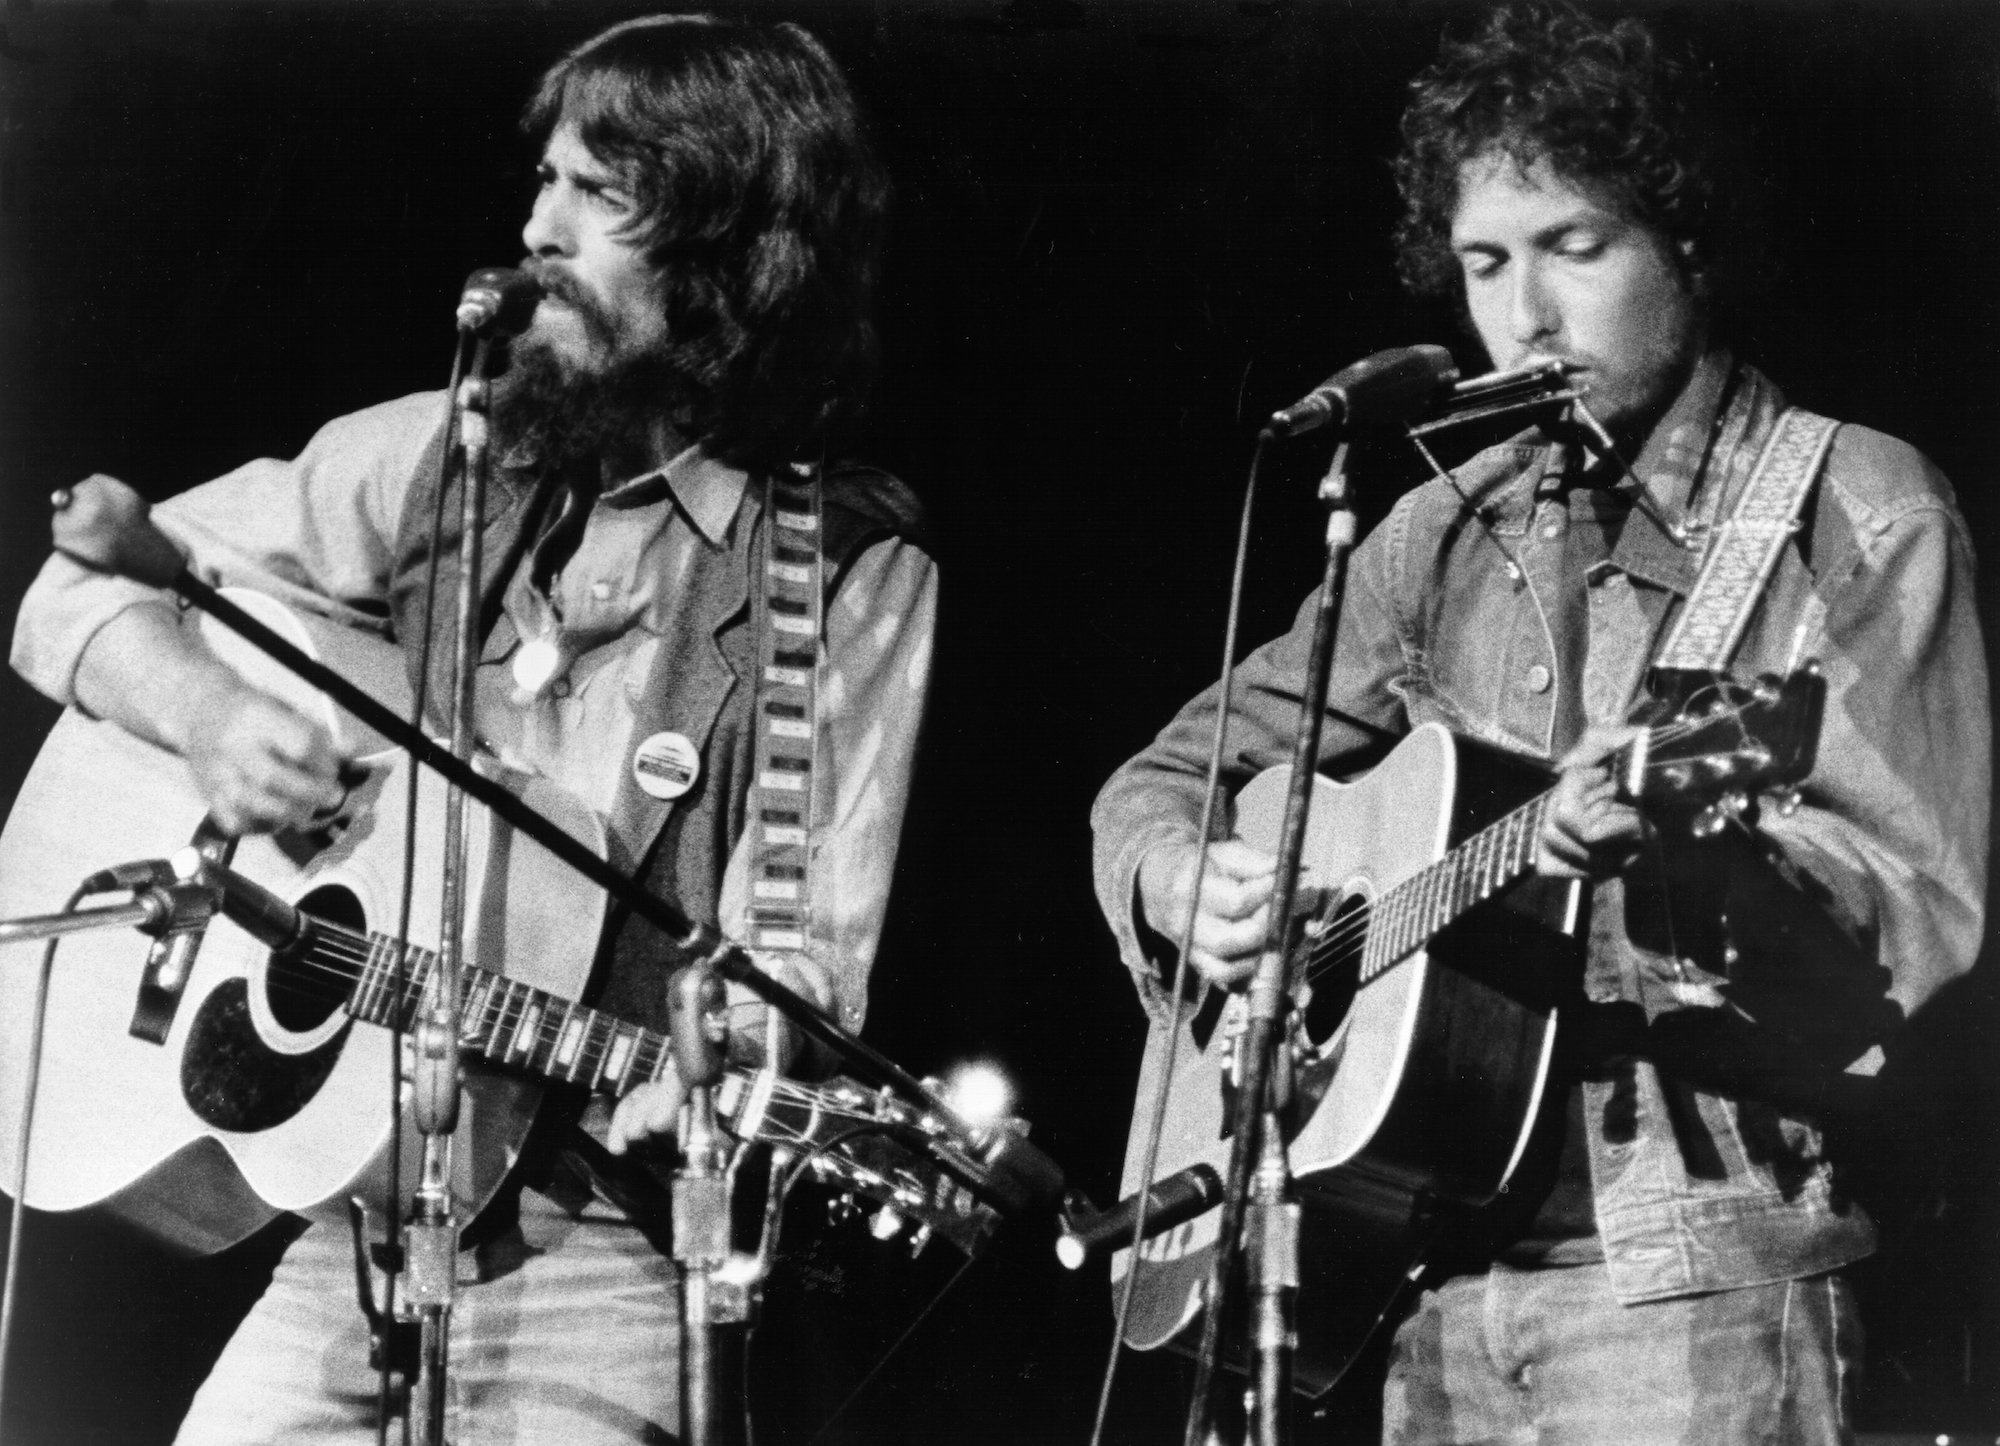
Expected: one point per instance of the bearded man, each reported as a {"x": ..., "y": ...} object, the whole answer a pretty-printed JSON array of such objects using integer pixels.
[{"x": 706, "y": 234}]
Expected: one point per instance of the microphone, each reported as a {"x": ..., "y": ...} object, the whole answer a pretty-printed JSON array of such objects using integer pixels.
[
  {"x": 250, "y": 906},
  {"x": 1021, "y": 1177},
  {"x": 1179, "y": 1197},
  {"x": 1381, "y": 390},
  {"x": 695, "y": 1026},
  {"x": 498, "y": 301}
]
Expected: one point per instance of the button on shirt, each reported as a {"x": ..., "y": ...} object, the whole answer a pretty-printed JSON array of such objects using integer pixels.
[
  {"x": 1841, "y": 916},
  {"x": 318, "y": 533},
  {"x": 602, "y": 586}
]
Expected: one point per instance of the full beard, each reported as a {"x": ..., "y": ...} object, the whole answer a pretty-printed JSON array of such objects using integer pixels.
[{"x": 548, "y": 411}]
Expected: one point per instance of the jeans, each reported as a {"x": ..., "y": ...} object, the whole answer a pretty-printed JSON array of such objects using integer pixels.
[
  {"x": 1549, "y": 1357},
  {"x": 564, "y": 1328}
]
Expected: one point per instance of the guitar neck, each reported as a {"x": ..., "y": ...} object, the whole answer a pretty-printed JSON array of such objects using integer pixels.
[
  {"x": 1409, "y": 914},
  {"x": 843, "y": 1130},
  {"x": 510, "y": 1024}
]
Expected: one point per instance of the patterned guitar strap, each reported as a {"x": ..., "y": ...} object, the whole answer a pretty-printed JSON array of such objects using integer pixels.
[
  {"x": 1743, "y": 551},
  {"x": 788, "y": 600},
  {"x": 1742, "y": 554}
]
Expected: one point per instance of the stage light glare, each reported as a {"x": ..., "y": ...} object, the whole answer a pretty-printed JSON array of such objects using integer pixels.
[{"x": 980, "y": 1094}]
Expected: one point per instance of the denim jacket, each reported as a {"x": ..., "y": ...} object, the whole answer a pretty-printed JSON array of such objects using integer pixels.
[{"x": 1734, "y": 992}]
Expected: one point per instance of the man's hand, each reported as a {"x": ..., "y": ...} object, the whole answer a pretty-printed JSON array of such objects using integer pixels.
[
  {"x": 1235, "y": 912},
  {"x": 650, "y": 1111},
  {"x": 258, "y": 765},
  {"x": 262, "y": 767},
  {"x": 1587, "y": 831}
]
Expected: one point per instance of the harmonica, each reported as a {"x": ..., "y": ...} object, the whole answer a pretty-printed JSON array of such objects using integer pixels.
[{"x": 1499, "y": 394}]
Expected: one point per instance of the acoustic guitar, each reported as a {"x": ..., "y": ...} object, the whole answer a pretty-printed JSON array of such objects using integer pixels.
[
  {"x": 1434, "y": 963},
  {"x": 263, "y": 1084}
]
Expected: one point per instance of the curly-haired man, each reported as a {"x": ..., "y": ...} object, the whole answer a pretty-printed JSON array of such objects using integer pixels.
[
  {"x": 1664, "y": 1264},
  {"x": 706, "y": 233}
]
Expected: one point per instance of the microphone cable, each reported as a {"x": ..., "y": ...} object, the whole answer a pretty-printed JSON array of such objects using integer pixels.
[
  {"x": 10, "y": 1285},
  {"x": 1156, "y": 1126}
]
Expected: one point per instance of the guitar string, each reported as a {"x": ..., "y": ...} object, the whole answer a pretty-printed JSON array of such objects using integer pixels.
[
  {"x": 550, "y": 1027},
  {"x": 1433, "y": 872},
  {"x": 349, "y": 956},
  {"x": 345, "y": 947},
  {"x": 1441, "y": 876},
  {"x": 1347, "y": 942},
  {"x": 346, "y": 956},
  {"x": 1333, "y": 950},
  {"x": 1434, "y": 876},
  {"x": 1330, "y": 951}
]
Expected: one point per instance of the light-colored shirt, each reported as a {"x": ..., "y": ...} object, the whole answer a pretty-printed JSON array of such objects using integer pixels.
[{"x": 318, "y": 532}]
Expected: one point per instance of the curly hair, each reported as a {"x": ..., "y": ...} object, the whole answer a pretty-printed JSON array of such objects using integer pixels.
[
  {"x": 1600, "y": 103},
  {"x": 763, "y": 204}
]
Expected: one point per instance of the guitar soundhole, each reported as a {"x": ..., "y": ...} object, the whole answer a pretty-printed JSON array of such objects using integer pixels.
[
  {"x": 305, "y": 990},
  {"x": 1334, "y": 956}
]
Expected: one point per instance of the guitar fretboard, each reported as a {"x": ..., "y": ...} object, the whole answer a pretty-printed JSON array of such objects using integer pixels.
[
  {"x": 1410, "y": 913},
  {"x": 512, "y": 1024},
  {"x": 529, "y": 1030}
]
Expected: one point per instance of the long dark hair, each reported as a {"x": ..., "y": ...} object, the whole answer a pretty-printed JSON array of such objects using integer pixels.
[
  {"x": 761, "y": 200},
  {"x": 1602, "y": 104}
]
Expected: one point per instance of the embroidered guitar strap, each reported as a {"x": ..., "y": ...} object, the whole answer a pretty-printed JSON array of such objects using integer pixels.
[
  {"x": 789, "y": 596},
  {"x": 1744, "y": 550}
]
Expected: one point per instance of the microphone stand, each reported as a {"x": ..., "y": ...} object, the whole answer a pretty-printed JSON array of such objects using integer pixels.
[
  {"x": 161, "y": 910},
  {"x": 103, "y": 525},
  {"x": 1260, "y": 1219},
  {"x": 698, "y": 1030},
  {"x": 1259, "y": 1229},
  {"x": 431, "y": 1236}
]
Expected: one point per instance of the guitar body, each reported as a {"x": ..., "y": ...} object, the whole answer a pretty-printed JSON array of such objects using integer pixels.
[
  {"x": 263, "y": 1095},
  {"x": 1415, "y": 1090}
]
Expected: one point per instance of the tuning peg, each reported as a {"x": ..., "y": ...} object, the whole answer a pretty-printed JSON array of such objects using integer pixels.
[{"x": 1719, "y": 815}]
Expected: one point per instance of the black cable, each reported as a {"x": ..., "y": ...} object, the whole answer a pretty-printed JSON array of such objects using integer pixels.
[
  {"x": 11, "y": 1283},
  {"x": 791, "y": 1177},
  {"x": 1156, "y": 1129},
  {"x": 894, "y": 1346}
]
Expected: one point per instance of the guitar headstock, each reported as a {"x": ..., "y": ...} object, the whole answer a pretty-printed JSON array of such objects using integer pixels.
[
  {"x": 868, "y": 1145},
  {"x": 1710, "y": 735}
]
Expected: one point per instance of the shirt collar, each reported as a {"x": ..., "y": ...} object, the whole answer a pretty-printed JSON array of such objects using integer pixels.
[
  {"x": 1669, "y": 464},
  {"x": 709, "y": 492},
  {"x": 1658, "y": 542}
]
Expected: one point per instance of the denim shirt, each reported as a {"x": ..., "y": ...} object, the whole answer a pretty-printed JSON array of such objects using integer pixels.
[{"x": 1734, "y": 993}]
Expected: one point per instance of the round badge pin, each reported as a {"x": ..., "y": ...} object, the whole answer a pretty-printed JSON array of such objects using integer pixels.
[{"x": 666, "y": 765}]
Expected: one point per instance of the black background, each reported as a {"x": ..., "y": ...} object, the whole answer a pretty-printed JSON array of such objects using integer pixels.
[{"x": 1123, "y": 232}]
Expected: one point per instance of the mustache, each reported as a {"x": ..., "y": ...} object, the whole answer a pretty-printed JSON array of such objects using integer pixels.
[{"x": 562, "y": 286}]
